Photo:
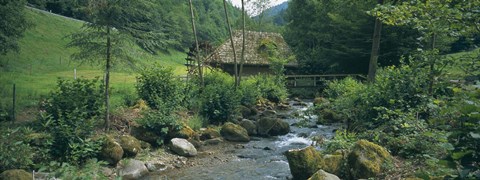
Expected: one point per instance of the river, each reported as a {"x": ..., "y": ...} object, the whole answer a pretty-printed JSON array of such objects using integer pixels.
[{"x": 261, "y": 158}]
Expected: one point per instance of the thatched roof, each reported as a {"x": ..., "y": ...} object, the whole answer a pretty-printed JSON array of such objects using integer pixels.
[{"x": 253, "y": 52}]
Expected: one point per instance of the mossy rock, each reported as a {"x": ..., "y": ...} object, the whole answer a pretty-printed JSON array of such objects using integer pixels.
[
  {"x": 185, "y": 133},
  {"x": 245, "y": 111},
  {"x": 130, "y": 145},
  {"x": 111, "y": 151},
  {"x": 304, "y": 162},
  {"x": 145, "y": 135},
  {"x": 250, "y": 126},
  {"x": 368, "y": 159},
  {"x": 319, "y": 100},
  {"x": 333, "y": 163},
  {"x": 233, "y": 132},
  {"x": 209, "y": 133},
  {"x": 272, "y": 127},
  {"x": 322, "y": 175},
  {"x": 16, "y": 174}
]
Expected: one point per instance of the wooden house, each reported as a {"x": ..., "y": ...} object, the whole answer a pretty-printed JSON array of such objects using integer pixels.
[{"x": 260, "y": 48}]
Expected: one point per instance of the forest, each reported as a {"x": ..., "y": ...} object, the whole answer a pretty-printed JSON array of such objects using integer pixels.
[{"x": 146, "y": 102}]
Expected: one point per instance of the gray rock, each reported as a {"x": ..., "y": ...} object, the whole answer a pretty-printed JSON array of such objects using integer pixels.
[
  {"x": 249, "y": 126},
  {"x": 132, "y": 169},
  {"x": 322, "y": 175},
  {"x": 182, "y": 147},
  {"x": 156, "y": 166}
]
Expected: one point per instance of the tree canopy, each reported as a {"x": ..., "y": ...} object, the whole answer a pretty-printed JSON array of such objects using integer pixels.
[{"x": 13, "y": 24}]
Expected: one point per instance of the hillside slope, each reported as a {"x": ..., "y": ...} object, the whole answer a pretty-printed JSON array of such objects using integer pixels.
[{"x": 43, "y": 58}]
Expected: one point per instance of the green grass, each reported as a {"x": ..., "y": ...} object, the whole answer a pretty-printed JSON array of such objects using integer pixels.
[{"x": 43, "y": 58}]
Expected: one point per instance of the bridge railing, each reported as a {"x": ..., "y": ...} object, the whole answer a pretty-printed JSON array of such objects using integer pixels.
[{"x": 298, "y": 81}]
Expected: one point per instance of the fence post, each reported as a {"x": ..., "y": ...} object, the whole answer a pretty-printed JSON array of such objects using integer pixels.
[{"x": 14, "y": 102}]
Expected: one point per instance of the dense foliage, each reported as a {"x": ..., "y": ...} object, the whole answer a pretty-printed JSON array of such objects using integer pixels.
[
  {"x": 335, "y": 36},
  {"x": 159, "y": 87},
  {"x": 14, "y": 23},
  {"x": 15, "y": 152},
  {"x": 70, "y": 114}
]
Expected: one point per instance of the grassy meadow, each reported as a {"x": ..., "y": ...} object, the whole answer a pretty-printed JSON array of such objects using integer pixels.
[{"x": 43, "y": 58}]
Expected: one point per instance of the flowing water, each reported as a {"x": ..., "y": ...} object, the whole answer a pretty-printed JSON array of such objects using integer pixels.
[{"x": 262, "y": 158}]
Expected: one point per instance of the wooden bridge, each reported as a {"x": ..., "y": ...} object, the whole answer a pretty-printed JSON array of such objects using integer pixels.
[{"x": 310, "y": 81}]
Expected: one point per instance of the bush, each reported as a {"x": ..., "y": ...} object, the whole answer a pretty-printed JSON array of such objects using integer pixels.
[
  {"x": 92, "y": 169},
  {"x": 270, "y": 89},
  {"x": 161, "y": 122},
  {"x": 70, "y": 114},
  {"x": 158, "y": 85},
  {"x": 399, "y": 89},
  {"x": 82, "y": 98},
  {"x": 219, "y": 100},
  {"x": 249, "y": 92},
  {"x": 15, "y": 153}
]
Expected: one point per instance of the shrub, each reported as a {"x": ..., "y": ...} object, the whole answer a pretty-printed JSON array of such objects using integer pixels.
[
  {"x": 158, "y": 85},
  {"x": 219, "y": 98},
  {"x": 249, "y": 92},
  {"x": 270, "y": 89},
  {"x": 161, "y": 122},
  {"x": 81, "y": 97},
  {"x": 342, "y": 140},
  {"x": 70, "y": 114},
  {"x": 92, "y": 169},
  {"x": 15, "y": 153}
]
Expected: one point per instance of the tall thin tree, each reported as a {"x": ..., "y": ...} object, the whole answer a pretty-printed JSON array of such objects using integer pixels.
[
  {"x": 198, "y": 56},
  {"x": 377, "y": 32},
  {"x": 235, "y": 64},
  {"x": 242, "y": 60}
]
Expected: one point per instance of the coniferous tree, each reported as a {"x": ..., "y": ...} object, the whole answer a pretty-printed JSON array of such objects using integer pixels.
[{"x": 111, "y": 26}]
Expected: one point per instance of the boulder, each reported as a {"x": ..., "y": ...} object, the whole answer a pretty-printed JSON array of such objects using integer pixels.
[
  {"x": 209, "y": 133},
  {"x": 249, "y": 126},
  {"x": 16, "y": 174},
  {"x": 130, "y": 145},
  {"x": 330, "y": 116},
  {"x": 322, "y": 175},
  {"x": 145, "y": 135},
  {"x": 233, "y": 132},
  {"x": 132, "y": 169},
  {"x": 185, "y": 133},
  {"x": 304, "y": 162},
  {"x": 272, "y": 127},
  {"x": 368, "y": 159},
  {"x": 182, "y": 147},
  {"x": 112, "y": 152}
]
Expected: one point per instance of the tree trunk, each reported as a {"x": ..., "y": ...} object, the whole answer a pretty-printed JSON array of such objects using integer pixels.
[
  {"x": 242, "y": 61},
  {"x": 197, "y": 49},
  {"x": 377, "y": 33},
  {"x": 232, "y": 43},
  {"x": 432, "y": 65},
  {"x": 107, "y": 81}
]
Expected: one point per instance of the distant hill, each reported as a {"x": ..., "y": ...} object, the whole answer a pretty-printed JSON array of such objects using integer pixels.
[{"x": 274, "y": 14}]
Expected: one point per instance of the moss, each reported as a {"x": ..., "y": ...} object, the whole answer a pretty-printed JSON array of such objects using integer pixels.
[
  {"x": 111, "y": 151},
  {"x": 368, "y": 159},
  {"x": 272, "y": 127},
  {"x": 130, "y": 145},
  {"x": 15, "y": 174},
  {"x": 304, "y": 162}
]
